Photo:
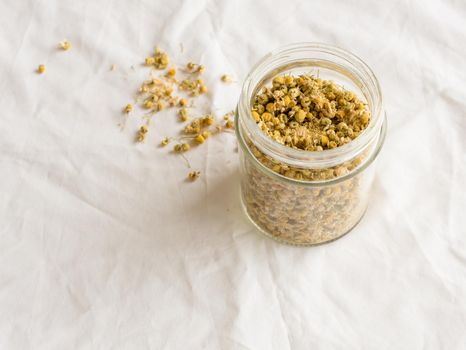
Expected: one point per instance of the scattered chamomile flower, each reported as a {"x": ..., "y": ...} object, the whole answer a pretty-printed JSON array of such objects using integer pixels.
[
  {"x": 161, "y": 59},
  {"x": 194, "y": 175},
  {"x": 165, "y": 141},
  {"x": 208, "y": 120},
  {"x": 128, "y": 108},
  {"x": 228, "y": 115},
  {"x": 194, "y": 127},
  {"x": 203, "y": 89},
  {"x": 199, "y": 139},
  {"x": 150, "y": 61},
  {"x": 41, "y": 69},
  {"x": 142, "y": 133},
  {"x": 65, "y": 45},
  {"x": 171, "y": 72},
  {"x": 173, "y": 101},
  {"x": 160, "y": 105},
  {"x": 156, "y": 94},
  {"x": 226, "y": 78},
  {"x": 181, "y": 147},
  {"x": 195, "y": 68},
  {"x": 183, "y": 114},
  {"x": 229, "y": 124}
]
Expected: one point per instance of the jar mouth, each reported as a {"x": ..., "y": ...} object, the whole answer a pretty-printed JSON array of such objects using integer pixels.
[{"x": 312, "y": 55}]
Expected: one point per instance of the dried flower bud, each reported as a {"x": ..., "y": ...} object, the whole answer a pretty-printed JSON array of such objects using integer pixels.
[
  {"x": 183, "y": 114},
  {"x": 203, "y": 89},
  {"x": 150, "y": 61},
  {"x": 161, "y": 59},
  {"x": 142, "y": 133},
  {"x": 193, "y": 175},
  {"x": 171, "y": 72},
  {"x": 65, "y": 45},
  {"x": 229, "y": 124},
  {"x": 165, "y": 141},
  {"x": 128, "y": 108},
  {"x": 199, "y": 139},
  {"x": 181, "y": 147},
  {"x": 226, "y": 78}
]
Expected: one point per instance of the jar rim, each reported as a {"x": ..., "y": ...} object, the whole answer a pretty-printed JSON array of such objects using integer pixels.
[{"x": 304, "y": 158}]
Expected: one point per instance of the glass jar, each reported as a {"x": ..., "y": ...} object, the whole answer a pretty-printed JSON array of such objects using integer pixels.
[{"x": 308, "y": 197}]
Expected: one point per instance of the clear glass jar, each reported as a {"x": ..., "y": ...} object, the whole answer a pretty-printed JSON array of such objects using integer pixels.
[{"x": 303, "y": 197}]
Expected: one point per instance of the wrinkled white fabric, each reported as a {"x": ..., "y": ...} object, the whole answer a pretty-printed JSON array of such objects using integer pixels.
[{"x": 104, "y": 245}]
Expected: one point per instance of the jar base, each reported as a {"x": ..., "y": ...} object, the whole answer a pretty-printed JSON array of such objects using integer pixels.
[{"x": 287, "y": 242}]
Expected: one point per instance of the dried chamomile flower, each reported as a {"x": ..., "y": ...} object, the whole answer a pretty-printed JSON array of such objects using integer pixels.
[
  {"x": 173, "y": 101},
  {"x": 128, "y": 108},
  {"x": 160, "y": 105},
  {"x": 183, "y": 102},
  {"x": 199, "y": 139},
  {"x": 181, "y": 147},
  {"x": 165, "y": 141},
  {"x": 187, "y": 84},
  {"x": 65, "y": 45},
  {"x": 171, "y": 72},
  {"x": 195, "y": 68},
  {"x": 142, "y": 133},
  {"x": 309, "y": 113},
  {"x": 202, "y": 137},
  {"x": 203, "y": 89},
  {"x": 226, "y": 78},
  {"x": 194, "y": 175},
  {"x": 41, "y": 69},
  {"x": 229, "y": 124},
  {"x": 161, "y": 59},
  {"x": 150, "y": 61},
  {"x": 207, "y": 120},
  {"x": 183, "y": 114},
  {"x": 194, "y": 127},
  {"x": 148, "y": 104},
  {"x": 194, "y": 87},
  {"x": 227, "y": 116}
]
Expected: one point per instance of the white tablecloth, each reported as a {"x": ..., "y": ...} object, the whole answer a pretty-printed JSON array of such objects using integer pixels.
[{"x": 104, "y": 245}]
